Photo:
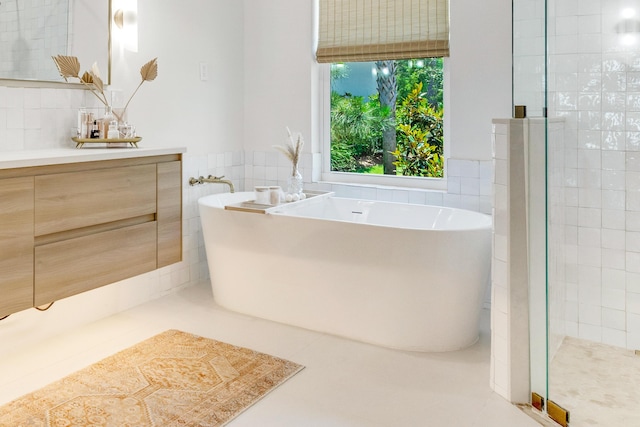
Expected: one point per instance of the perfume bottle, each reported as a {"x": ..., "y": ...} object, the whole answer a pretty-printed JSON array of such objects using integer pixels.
[
  {"x": 113, "y": 132},
  {"x": 106, "y": 122},
  {"x": 95, "y": 130}
]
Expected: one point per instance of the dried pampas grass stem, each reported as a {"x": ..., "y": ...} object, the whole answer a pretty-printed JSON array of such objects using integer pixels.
[{"x": 292, "y": 150}]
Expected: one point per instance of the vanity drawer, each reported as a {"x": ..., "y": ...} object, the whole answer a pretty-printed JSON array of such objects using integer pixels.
[
  {"x": 73, "y": 200},
  {"x": 76, "y": 265},
  {"x": 16, "y": 245},
  {"x": 169, "y": 214}
]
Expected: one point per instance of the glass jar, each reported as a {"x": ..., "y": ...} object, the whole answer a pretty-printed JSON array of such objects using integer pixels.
[
  {"x": 294, "y": 184},
  {"x": 262, "y": 195}
]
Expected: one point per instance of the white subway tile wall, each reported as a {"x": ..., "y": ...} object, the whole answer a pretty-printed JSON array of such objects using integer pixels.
[
  {"x": 499, "y": 375},
  {"x": 34, "y": 118},
  {"x": 594, "y": 85},
  {"x": 229, "y": 164},
  {"x": 468, "y": 182}
]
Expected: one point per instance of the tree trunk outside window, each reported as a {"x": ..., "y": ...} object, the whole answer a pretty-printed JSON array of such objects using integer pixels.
[{"x": 388, "y": 91}]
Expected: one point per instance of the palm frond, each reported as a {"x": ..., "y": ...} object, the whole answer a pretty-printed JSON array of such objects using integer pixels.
[
  {"x": 68, "y": 66},
  {"x": 149, "y": 71}
]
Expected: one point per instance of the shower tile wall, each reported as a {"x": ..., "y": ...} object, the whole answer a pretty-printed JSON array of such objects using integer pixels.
[
  {"x": 594, "y": 84},
  {"x": 44, "y": 25},
  {"x": 529, "y": 55}
]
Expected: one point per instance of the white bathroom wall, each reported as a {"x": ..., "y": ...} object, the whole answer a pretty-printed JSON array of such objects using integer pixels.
[
  {"x": 177, "y": 109},
  {"x": 480, "y": 74},
  {"x": 261, "y": 78},
  {"x": 280, "y": 70}
]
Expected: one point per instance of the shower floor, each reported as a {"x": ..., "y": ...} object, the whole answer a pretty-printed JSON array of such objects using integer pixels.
[{"x": 596, "y": 383}]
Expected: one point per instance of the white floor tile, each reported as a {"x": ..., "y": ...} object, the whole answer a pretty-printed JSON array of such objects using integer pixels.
[{"x": 344, "y": 383}]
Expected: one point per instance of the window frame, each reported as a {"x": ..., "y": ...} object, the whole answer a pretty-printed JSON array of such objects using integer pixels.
[{"x": 327, "y": 175}]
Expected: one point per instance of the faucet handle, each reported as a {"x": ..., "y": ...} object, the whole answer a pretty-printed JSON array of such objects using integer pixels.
[{"x": 216, "y": 177}]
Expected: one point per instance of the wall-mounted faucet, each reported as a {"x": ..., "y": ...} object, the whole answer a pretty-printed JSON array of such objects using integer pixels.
[{"x": 212, "y": 179}]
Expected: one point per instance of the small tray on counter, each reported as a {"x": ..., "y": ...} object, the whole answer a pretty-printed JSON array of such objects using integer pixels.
[{"x": 132, "y": 141}]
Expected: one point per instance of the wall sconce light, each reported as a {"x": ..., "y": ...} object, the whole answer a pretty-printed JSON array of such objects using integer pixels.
[
  {"x": 125, "y": 19},
  {"x": 628, "y": 28}
]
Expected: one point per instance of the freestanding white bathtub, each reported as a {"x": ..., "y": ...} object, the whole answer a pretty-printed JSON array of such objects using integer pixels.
[{"x": 403, "y": 276}]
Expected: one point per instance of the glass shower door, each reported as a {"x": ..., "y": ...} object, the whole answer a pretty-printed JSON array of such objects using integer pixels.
[
  {"x": 594, "y": 205},
  {"x": 576, "y": 65},
  {"x": 530, "y": 90}
]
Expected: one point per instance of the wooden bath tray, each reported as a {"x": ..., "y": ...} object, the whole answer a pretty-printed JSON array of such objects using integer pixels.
[
  {"x": 253, "y": 207},
  {"x": 249, "y": 206}
]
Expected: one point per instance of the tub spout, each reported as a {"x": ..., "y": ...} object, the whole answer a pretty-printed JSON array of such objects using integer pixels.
[
  {"x": 211, "y": 179},
  {"x": 218, "y": 180}
]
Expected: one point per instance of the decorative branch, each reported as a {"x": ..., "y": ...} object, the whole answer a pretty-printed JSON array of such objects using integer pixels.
[
  {"x": 148, "y": 72},
  {"x": 69, "y": 66},
  {"x": 292, "y": 150}
]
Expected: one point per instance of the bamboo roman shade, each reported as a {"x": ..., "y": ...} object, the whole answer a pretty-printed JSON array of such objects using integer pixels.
[{"x": 369, "y": 30}]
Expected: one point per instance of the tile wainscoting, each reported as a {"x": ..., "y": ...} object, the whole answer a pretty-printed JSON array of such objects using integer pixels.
[{"x": 468, "y": 182}]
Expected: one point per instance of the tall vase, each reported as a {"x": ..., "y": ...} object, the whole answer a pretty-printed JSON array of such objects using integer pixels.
[
  {"x": 125, "y": 128},
  {"x": 294, "y": 185}
]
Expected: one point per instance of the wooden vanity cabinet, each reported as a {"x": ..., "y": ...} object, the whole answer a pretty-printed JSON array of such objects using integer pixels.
[
  {"x": 72, "y": 266},
  {"x": 90, "y": 224},
  {"x": 74, "y": 200},
  {"x": 169, "y": 215},
  {"x": 16, "y": 244}
]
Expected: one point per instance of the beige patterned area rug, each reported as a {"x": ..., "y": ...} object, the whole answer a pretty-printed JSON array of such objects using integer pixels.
[{"x": 172, "y": 379}]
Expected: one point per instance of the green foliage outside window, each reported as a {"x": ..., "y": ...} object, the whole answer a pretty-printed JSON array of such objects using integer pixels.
[
  {"x": 426, "y": 71},
  {"x": 356, "y": 130},
  {"x": 419, "y": 135},
  {"x": 358, "y": 123}
]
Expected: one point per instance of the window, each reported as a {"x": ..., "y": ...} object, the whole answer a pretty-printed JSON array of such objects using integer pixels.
[{"x": 386, "y": 117}]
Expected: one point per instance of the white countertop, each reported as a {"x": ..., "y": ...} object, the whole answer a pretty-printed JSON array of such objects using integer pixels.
[{"x": 29, "y": 158}]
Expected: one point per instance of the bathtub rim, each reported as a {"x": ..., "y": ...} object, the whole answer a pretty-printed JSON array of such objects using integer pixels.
[{"x": 314, "y": 197}]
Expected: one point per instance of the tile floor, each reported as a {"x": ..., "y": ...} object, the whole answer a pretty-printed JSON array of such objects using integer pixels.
[
  {"x": 345, "y": 383},
  {"x": 597, "y": 383}
]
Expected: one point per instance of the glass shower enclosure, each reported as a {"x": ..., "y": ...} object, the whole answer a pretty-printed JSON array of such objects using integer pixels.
[{"x": 576, "y": 68}]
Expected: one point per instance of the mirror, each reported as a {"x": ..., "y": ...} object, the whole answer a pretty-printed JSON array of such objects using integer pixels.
[{"x": 31, "y": 32}]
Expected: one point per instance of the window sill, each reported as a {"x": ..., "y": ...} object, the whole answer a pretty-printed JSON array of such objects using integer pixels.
[{"x": 401, "y": 182}]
